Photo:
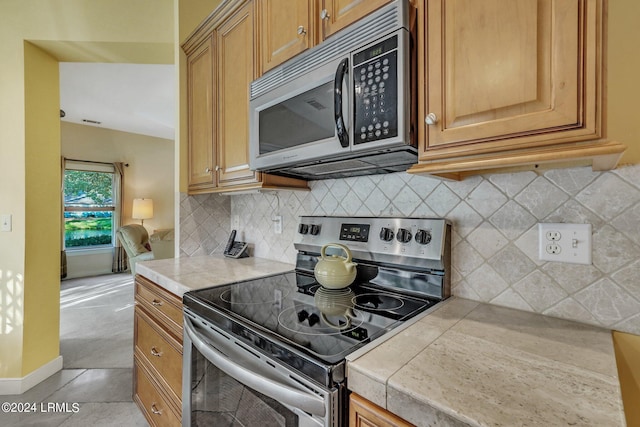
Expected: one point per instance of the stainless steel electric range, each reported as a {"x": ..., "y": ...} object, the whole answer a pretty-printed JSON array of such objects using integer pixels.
[{"x": 269, "y": 351}]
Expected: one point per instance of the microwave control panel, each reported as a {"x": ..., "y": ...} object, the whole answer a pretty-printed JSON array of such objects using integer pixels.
[{"x": 375, "y": 83}]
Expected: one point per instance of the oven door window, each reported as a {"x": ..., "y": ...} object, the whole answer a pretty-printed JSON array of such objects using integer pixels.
[
  {"x": 299, "y": 120},
  {"x": 219, "y": 400},
  {"x": 231, "y": 384}
]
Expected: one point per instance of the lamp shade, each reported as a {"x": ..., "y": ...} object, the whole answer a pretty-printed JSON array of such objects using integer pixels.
[{"x": 142, "y": 209}]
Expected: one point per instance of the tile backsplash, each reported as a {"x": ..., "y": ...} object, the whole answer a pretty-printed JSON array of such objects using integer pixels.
[{"x": 495, "y": 238}]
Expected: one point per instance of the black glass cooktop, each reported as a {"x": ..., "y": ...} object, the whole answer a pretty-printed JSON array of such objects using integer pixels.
[{"x": 292, "y": 318}]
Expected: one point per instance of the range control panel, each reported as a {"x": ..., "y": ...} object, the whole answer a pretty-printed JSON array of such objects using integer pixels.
[{"x": 393, "y": 240}]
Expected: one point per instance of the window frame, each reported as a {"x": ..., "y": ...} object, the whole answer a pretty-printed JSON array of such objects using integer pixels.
[{"x": 92, "y": 167}]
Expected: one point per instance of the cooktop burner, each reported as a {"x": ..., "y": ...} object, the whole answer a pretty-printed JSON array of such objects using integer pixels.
[
  {"x": 289, "y": 319},
  {"x": 378, "y": 302}
]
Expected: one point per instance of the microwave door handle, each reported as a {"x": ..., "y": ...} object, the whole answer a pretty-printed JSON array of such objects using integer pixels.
[
  {"x": 343, "y": 136},
  {"x": 281, "y": 392}
]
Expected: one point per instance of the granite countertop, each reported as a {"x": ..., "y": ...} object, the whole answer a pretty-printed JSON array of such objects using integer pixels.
[
  {"x": 180, "y": 275},
  {"x": 462, "y": 363},
  {"x": 467, "y": 363}
]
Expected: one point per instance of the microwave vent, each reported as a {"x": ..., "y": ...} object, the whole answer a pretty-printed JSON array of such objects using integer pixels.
[
  {"x": 370, "y": 164},
  {"x": 380, "y": 23},
  {"x": 328, "y": 168},
  {"x": 316, "y": 104}
]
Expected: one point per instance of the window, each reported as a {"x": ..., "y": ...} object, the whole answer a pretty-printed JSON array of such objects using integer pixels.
[{"x": 89, "y": 205}]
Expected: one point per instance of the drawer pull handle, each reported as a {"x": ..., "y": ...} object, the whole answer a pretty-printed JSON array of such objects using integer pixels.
[
  {"x": 156, "y": 303},
  {"x": 155, "y": 352},
  {"x": 155, "y": 409}
]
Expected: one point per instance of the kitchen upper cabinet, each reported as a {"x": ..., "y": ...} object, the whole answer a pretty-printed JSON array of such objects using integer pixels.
[
  {"x": 506, "y": 83},
  {"x": 363, "y": 413},
  {"x": 337, "y": 14},
  {"x": 286, "y": 29},
  {"x": 221, "y": 63},
  {"x": 200, "y": 116},
  {"x": 235, "y": 60}
]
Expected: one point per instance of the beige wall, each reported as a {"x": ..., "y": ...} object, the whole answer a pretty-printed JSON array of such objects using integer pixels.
[
  {"x": 150, "y": 172},
  {"x": 41, "y": 332},
  {"x": 192, "y": 13},
  {"x": 30, "y": 140}
]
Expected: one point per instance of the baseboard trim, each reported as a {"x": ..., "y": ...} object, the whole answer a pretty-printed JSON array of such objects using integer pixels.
[{"x": 20, "y": 385}]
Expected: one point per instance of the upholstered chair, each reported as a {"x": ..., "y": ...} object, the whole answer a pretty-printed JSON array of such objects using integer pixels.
[{"x": 135, "y": 241}]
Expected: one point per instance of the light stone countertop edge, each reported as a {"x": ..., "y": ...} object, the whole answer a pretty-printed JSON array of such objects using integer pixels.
[
  {"x": 181, "y": 275},
  {"x": 416, "y": 389}
]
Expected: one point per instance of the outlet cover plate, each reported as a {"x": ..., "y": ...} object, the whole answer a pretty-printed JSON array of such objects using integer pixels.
[{"x": 562, "y": 242}]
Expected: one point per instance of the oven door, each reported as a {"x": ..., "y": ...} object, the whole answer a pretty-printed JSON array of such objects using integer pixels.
[
  {"x": 227, "y": 383},
  {"x": 304, "y": 119}
]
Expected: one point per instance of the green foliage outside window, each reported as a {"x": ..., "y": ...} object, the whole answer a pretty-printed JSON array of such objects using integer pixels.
[
  {"x": 97, "y": 186},
  {"x": 89, "y": 207}
]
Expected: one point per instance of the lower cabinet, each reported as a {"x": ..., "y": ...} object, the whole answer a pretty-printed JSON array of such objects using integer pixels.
[
  {"x": 363, "y": 413},
  {"x": 157, "y": 372}
]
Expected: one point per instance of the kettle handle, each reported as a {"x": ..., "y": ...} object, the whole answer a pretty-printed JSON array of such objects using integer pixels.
[{"x": 337, "y": 245}]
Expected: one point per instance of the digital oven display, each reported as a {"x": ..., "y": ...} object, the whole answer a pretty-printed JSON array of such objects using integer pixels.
[{"x": 355, "y": 232}]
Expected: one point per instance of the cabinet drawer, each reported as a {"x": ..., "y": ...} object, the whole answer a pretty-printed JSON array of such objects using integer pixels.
[
  {"x": 160, "y": 350},
  {"x": 163, "y": 305},
  {"x": 154, "y": 406}
]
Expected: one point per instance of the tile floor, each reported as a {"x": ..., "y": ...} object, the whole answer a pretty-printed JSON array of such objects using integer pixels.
[{"x": 94, "y": 387}]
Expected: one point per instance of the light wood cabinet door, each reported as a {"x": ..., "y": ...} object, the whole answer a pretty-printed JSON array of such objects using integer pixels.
[
  {"x": 337, "y": 14},
  {"x": 153, "y": 404},
  {"x": 363, "y": 413},
  {"x": 236, "y": 70},
  {"x": 160, "y": 351},
  {"x": 200, "y": 96},
  {"x": 286, "y": 29},
  {"x": 497, "y": 75}
]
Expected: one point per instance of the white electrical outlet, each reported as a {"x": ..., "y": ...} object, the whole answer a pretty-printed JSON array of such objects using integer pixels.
[
  {"x": 565, "y": 242},
  {"x": 277, "y": 224},
  {"x": 235, "y": 222}
]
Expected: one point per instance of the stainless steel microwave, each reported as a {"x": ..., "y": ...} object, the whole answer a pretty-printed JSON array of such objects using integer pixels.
[{"x": 341, "y": 109}]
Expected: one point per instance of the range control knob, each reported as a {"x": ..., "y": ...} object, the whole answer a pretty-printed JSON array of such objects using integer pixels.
[
  {"x": 386, "y": 234},
  {"x": 404, "y": 235},
  {"x": 314, "y": 229},
  {"x": 423, "y": 237},
  {"x": 303, "y": 229}
]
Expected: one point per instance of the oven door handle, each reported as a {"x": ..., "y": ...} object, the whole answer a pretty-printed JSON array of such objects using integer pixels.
[{"x": 283, "y": 393}]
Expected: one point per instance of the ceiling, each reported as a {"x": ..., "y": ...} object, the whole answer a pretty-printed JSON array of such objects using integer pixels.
[{"x": 135, "y": 98}]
